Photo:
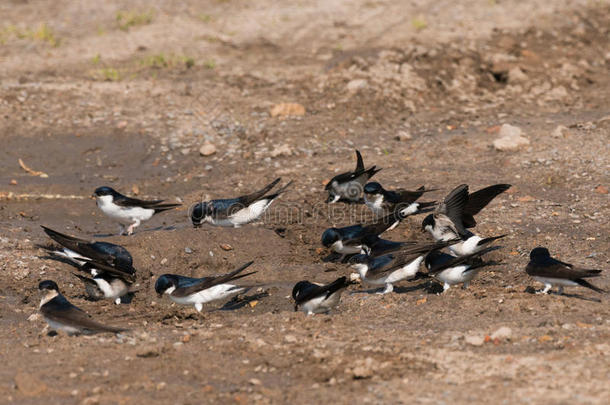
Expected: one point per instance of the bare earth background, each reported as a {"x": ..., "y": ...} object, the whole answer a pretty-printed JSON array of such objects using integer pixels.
[{"x": 125, "y": 93}]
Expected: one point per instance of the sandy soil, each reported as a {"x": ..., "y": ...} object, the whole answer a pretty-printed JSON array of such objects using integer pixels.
[{"x": 125, "y": 93}]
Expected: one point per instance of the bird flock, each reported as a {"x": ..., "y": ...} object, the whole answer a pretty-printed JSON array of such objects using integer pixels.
[{"x": 453, "y": 254}]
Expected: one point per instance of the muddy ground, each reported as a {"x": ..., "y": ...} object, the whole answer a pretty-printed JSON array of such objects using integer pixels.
[{"x": 124, "y": 93}]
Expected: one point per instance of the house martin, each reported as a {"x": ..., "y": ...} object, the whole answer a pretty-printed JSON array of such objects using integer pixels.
[
  {"x": 348, "y": 186},
  {"x": 382, "y": 201},
  {"x": 394, "y": 267},
  {"x": 235, "y": 212},
  {"x": 456, "y": 213},
  {"x": 315, "y": 298},
  {"x": 60, "y": 314},
  {"x": 110, "y": 265},
  {"x": 550, "y": 272},
  {"x": 197, "y": 291},
  {"x": 353, "y": 239},
  {"x": 452, "y": 270},
  {"x": 128, "y": 212}
]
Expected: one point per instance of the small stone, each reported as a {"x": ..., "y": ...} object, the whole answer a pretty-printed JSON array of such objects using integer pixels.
[
  {"x": 510, "y": 138},
  {"x": 13, "y": 182},
  {"x": 282, "y": 150},
  {"x": 290, "y": 339},
  {"x": 503, "y": 333},
  {"x": 403, "y": 136},
  {"x": 164, "y": 261},
  {"x": 34, "y": 317},
  {"x": 161, "y": 386},
  {"x": 363, "y": 369},
  {"x": 474, "y": 340},
  {"x": 287, "y": 109},
  {"x": 559, "y": 131},
  {"x": 601, "y": 189},
  {"x": 255, "y": 381},
  {"x": 188, "y": 250},
  {"x": 516, "y": 75},
  {"x": 226, "y": 246},
  {"x": 148, "y": 352},
  {"x": 186, "y": 338},
  {"x": 207, "y": 149},
  {"x": 356, "y": 84},
  {"x": 185, "y": 151}
]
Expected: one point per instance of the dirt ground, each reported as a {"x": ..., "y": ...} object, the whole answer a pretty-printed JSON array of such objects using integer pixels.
[{"x": 124, "y": 93}]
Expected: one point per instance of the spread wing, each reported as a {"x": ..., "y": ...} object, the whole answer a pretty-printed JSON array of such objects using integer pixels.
[
  {"x": 60, "y": 310},
  {"x": 246, "y": 200},
  {"x": 127, "y": 274},
  {"x": 190, "y": 286},
  {"x": 478, "y": 200},
  {"x": 453, "y": 207}
]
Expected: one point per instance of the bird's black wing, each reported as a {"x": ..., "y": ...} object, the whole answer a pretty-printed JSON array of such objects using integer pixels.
[
  {"x": 312, "y": 291},
  {"x": 556, "y": 269},
  {"x": 453, "y": 206},
  {"x": 456, "y": 261},
  {"x": 195, "y": 285},
  {"x": 478, "y": 200},
  {"x": 248, "y": 199},
  {"x": 60, "y": 310}
]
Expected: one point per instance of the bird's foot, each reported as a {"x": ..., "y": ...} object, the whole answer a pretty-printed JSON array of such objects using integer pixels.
[{"x": 388, "y": 289}]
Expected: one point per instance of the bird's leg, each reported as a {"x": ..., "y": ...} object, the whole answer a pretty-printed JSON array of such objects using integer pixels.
[
  {"x": 199, "y": 306},
  {"x": 446, "y": 286},
  {"x": 133, "y": 226},
  {"x": 121, "y": 229},
  {"x": 388, "y": 289},
  {"x": 118, "y": 301},
  {"x": 560, "y": 290},
  {"x": 309, "y": 313},
  {"x": 465, "y": 285}
]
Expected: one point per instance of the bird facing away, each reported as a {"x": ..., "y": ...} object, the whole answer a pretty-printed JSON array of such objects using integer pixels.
[
  {"x": 315, "y": 298},
  {"x": 552, "y": 272},
  {"x": 110, "y": 265},
  {"x": 197, "y": 291},
  {"x": 349, "y": 186},
  {"x": 128, "y": 212},
  {"x": 60, "y": 314},
  {"x": 238, "y": 211},
  {"x": 455, "y": 215}
]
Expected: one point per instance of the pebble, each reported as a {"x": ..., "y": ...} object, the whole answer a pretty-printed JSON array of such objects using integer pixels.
[
  {"x": 207, "y": 149},
  {"x": 287, "y": 109},
  {"x": 403, "y": 136},
  {"x": 356, "y": 84},
  {"x": 188, "y": 250},
  {"x": 164, "y": 261},
  {"x": 255, "y": 381},
  {"x": 474, "y": 340},
  {"x": 290, "y": 339},
  {"x": 516, "y": 75},
  {"x": 503, "y": 333},
  {"x": 559, "y": 131},
  {"x": 510, "y": 138}
]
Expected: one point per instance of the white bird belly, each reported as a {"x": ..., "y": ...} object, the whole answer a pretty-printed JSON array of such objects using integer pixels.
[
  {"x": 216, "y": 292},
  {"x": 251, "y": 212},
  {"x": 320, "y": 305},
  {"x": 405, "y": 272},
  {"x": 456, "y": 275},
  {"x": 339, "y": 247},
  {"x": 71, "y": 330},
  {"x": 115, "y": 290},
  {"x": 466, "y": 247},
  {"x": 124, "y": 215}
]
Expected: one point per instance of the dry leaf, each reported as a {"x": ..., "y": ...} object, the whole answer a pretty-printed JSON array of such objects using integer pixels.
[
  {"x": 421, "y": 301},
  {"x": 526, "y": 198},
  {"x": 583, "y": 325},
  {"x": 32, "y": 171},
  {"x": 253, "y": 303},
  {"x": 135, "y": 189},
  {"x": 544, "y": 338}
]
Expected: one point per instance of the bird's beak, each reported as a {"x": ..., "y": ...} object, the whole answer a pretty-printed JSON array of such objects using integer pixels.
[{"x": 92, "y": 196}]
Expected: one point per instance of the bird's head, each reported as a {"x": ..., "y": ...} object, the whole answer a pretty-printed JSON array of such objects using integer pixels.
[{"x": 330, "y": 236}]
